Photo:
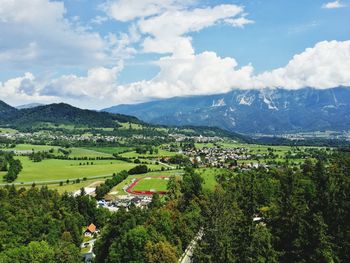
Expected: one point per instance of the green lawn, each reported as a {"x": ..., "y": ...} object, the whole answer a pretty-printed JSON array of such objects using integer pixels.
[
  {"x": 53, "y": 169},
  {"x": 119, "y": 188},
  {"x": 156, "y": 184}
]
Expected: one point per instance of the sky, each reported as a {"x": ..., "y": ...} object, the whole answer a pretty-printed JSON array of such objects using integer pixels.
[{"x": 95, "y": 54}]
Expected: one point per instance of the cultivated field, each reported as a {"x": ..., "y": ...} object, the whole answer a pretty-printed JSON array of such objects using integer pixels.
[{"x": 53, "y": 169}]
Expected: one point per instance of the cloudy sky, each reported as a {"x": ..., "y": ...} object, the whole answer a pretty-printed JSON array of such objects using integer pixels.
[{"x": 95, "y": 54}]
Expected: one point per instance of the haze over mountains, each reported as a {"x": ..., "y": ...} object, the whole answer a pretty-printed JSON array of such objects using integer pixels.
[{"x": 266, "y": 111}]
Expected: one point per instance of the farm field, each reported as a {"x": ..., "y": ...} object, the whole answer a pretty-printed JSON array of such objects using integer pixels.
[
  {"x": 109, "y": 150},
  {"x": 75, "y": 151},
  {"x": 53, "y": 169},
  {"x": 161, "y": 153},
  {"x": 30, "y": 147}
]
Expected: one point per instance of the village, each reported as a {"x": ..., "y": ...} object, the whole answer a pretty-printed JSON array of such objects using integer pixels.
[{"x": 223, "y": 158}]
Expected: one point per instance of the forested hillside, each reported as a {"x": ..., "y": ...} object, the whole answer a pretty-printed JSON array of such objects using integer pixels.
[
  {"x": 39, "y": 225},
  {"x": 285, "y": 214},
  {"x": 60, "y": 114}
]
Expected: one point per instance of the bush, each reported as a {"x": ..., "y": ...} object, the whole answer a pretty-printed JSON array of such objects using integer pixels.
[{"x": 140, "y": 169}]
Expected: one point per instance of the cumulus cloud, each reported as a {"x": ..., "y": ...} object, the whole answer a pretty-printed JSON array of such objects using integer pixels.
[
  {"x": 325, "y": 65},
  {"x": 165, "y": 25},
  {"x": 40, "y": 34},
  {"x": 205, "y": 73},
  {"x": 36, "y": 33},
  {"x": 333, "y": 5},
  {"x": 127, "y": 10},
  {"x": 23, "y": 89}
]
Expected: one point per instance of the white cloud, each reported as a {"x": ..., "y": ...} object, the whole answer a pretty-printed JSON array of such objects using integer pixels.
[
  {"x": 37, "y": 33},
  {"x": 167, "y": 32},
  {"x": 205, "y": 73},
  {"x": 325, "y": 65},
  {"x": 239, "y": 22},
  {"x": 333, "y": 5},
  {"x": 128, "y": 10},
  {"x": 165, "y": 25},
  {"x": 25, "y": 89}
]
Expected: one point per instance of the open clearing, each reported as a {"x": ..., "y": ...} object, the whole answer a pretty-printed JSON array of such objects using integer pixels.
[{"x": 53, "y": 169}]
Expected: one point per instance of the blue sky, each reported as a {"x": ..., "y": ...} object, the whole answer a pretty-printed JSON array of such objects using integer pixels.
[{"x": 99, "y": 53}]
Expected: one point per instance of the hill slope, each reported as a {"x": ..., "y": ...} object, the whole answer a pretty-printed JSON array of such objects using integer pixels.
[
  {"x": 252, "y": 111},
  {"x": 61, "y": 114},
  {"x": 6, "y": 109}
]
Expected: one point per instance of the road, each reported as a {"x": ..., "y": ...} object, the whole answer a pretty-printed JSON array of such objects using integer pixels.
[
  {"x": 187, "y": 255},
  {"x": 90, "y": 243}
]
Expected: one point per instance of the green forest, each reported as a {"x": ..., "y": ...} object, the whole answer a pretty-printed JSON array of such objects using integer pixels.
[{"x": 287, "y": 213}]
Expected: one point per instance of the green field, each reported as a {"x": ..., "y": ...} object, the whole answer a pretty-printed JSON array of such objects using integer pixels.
[
  {"x": 147, "y": 184},
  {"x": 75, "y": 152},
  {"x": 118, "y": 190},
  {"x": 209, "y": 176},
  {"x": 52, "y": 169},
  {"x": 72, "y": 187},
  {"x": 161, "y": 153},
  {"x": 109, "y": 150}
]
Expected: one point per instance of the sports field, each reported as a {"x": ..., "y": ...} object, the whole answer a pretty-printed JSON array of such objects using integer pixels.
[{"x": 149, "y": 183}]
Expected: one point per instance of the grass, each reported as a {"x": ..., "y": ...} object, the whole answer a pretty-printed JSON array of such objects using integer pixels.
[
  {"x": 119, "y": 188},
  {"x": 82, "y": 152},
  {"x": 7, "y": 130},
  {"x": 109, "y": 150},
  {"x": 71, "y": 187},
  {"x": 156, "y": 184},
  {"x": 161, "y": 153},
  {"x": 75, "y": 152},
  {"x": 209, "y": 177},
  {"x": 129, "y": 125},
  {"x": 53, "y": 169},
  {"x": 29, "y": 147},
  {"x": 85, "y": 250}
]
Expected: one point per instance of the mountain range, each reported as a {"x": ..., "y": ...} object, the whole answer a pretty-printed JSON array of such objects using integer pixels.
[{"x": 267, "y": 111}]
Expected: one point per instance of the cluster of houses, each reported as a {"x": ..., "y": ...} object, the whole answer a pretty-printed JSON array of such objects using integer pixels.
[
  {"x": 53, "y": 136},
  {"x": 126, "y": 201},
  {"x": 215, "y": 156},
  {"x": 222, "y": 158},
  {"x": 197, "y": 139}
]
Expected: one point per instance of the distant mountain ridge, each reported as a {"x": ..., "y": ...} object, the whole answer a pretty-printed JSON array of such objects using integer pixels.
[
  {"x": 252, "y": 111},
  {"x": 60, "y": 113}
]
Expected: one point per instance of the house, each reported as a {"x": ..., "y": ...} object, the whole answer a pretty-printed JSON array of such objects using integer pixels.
[{"x": 90, "y": 230}]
